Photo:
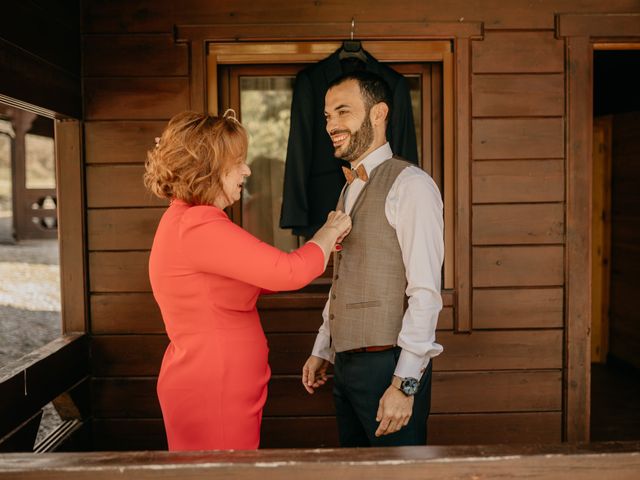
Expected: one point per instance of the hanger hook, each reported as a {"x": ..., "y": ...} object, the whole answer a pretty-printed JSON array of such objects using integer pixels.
[{"x": 353, "y": 26}]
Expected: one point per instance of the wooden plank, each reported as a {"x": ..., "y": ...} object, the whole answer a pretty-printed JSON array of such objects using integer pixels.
[
  {"x": 119, "y": 272},
  {"x": 26, "y": 25},
  {"x": 124, "y": 16},
  {"x": 578, "y": 235},
  {"x": 122, "y": 229},
  {"x": 514, "y": 138},
  {"x": 149, "y": 434},
  {"x": 155, "y": 16},
  {"x": 452, "y": 392},
  {"x": 442, "y": 462},
  {"x": 500, "y": 350},
  {"x": 601, "y": 237},
  {"x": 599, "y": 25},
  {"x": 120, "y": 56},
  {"x": 119, "y": 186},
  {"x": 31, "y": 81},
  {"x": 135, "y": 98},
  {"x": 516, "y": 181},
  {"x": 124, "y": 434},
  {"x": 137, "y": 398},
  {"x": 444, "y": 429},
  {"x": 139, "y": 313},
  {"x": 518, "y": 224},
  {"x": 462, "y": 202},
  {"x": 522, "y": 308},
  {"x": 133, "y": 139},
  {"x": 39, "y": 377},
  {"x": 495, "y": 428},
  {"x": 518, "y": 266},
  {"x": 125, "y": 313},
  {"x": 502, "y": 391},
  {"x": 127, "y": 355},
  {"x": 287, "y": 351},
  {"x": 299, "y": 432},
  {"x": 518, "y": 52},
  {"x": 518, "y": 95},
  {"x": 71, "y": 226}
]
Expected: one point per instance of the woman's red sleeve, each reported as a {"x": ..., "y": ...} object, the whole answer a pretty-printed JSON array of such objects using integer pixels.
[{"x": 212, "y": 243}]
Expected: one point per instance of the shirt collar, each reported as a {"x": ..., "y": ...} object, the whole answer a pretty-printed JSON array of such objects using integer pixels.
[{"x": 375, "y": 158}]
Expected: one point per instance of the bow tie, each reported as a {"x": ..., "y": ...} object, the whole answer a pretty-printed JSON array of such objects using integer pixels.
[{"x": 359, "y": 172}]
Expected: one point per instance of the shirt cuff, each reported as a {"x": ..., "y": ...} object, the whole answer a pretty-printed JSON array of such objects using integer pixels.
[
  {"x": 322, "y": 348},
  {"x": 411, "y": 365}
]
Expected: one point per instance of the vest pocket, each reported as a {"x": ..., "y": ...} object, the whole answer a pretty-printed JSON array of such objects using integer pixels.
[{"x": 374, "y": 303}]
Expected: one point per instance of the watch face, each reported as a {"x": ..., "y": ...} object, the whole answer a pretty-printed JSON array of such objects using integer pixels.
[{"x": 409, "y": 386}]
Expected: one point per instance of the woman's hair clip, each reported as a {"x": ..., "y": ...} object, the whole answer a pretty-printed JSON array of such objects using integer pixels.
[
  {"x": 231, "y": 114},
  {"x": 157, "y": 142}
]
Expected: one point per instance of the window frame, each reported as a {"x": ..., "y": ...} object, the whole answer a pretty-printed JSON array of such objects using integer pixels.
[{"x": 456, "y": 289}]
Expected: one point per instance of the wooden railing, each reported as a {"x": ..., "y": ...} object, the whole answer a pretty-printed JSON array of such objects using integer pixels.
[
  {"x": 58, "y": 373},
  {"x": 577, "y": 462}
]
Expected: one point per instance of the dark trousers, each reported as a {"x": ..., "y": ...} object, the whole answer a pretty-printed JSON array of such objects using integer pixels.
[{"x": 360, "y": 380}]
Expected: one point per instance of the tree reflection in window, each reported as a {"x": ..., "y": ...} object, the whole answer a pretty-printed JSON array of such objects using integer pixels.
[{"x": 265, "y": 105}]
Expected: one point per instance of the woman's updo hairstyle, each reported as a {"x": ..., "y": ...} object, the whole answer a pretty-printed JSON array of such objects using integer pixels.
[{"x": 192, "y": 154}]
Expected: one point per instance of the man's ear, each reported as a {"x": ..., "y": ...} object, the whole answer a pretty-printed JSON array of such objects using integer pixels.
[{"x": 379, "y": 113}]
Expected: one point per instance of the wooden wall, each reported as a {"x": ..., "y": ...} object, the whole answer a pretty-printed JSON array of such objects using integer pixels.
[
  {"x": 624, "y": 335},
  {"x": 501, "y": 383},
  {"x": 40, "y": 54}
]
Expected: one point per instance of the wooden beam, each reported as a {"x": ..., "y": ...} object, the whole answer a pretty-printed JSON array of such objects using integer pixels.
[
  {"x": 579, "y": 56},
  {"x": 598, "y": 25},
  {"x": 40, "y": 376},
  {"x": 585, "y": 462},
  {"x": 235, "y": 32},
  {"x": 71, "y": 226}
]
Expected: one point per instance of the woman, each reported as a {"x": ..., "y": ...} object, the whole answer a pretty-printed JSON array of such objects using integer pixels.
[{"x": 206, "y": 274}]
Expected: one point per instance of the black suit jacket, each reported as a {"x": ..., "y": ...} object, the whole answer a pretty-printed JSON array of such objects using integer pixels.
[{"x": 313, "y": 177}]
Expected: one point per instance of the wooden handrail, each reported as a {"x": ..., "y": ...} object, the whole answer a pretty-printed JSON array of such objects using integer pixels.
[
  {"x": 620, "y": 460},
  {"x": 36, "y": 379}
]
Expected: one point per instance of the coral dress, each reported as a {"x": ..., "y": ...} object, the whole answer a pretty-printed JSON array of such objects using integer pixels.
[{"x": 206, "y": 274}]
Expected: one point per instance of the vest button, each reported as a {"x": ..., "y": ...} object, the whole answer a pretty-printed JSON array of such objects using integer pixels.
[
  {"x": 333, "y": 296},
  {"x": 336, "y": 277},
  {"x": 331, "y": 316}
]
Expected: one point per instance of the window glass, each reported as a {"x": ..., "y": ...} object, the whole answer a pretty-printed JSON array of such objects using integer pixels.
[{"x": 265, "y": 106}]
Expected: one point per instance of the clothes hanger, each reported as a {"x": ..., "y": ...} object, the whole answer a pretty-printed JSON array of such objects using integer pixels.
[{"x": 352, "y": 48}]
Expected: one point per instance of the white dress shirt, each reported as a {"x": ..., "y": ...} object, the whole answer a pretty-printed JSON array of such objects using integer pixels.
[{"x": 413, "y": 208}]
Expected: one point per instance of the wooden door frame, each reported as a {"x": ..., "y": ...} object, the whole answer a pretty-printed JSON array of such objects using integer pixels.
[
  {"x": 457, "y": 136},
  {"x": 582, "y": 33}
]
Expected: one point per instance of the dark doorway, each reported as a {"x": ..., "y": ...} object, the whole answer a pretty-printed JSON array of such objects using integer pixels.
[{"x": 615, "y": 369}]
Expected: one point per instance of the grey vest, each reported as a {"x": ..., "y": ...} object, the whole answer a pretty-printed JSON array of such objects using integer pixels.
[{"x": 369, "y": 281}]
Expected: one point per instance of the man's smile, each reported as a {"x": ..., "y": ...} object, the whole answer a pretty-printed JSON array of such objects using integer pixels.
[{"x": 339, "y": 139}]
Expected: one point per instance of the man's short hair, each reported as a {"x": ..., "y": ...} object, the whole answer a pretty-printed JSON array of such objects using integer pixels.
[{"x": 374, "y": 89}]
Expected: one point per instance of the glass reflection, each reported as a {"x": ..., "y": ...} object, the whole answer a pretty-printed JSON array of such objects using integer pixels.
[{"x": 265, "y": 105}]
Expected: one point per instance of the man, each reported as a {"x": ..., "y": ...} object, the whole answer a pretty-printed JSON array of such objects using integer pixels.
[{"x": 381, "y": 345}]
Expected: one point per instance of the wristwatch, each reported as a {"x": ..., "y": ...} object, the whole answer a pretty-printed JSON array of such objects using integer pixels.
[{"x": 408, "y": 385}]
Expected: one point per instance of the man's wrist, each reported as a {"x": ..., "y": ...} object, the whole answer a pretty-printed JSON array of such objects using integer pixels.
[{"x": 408, "y": 386}]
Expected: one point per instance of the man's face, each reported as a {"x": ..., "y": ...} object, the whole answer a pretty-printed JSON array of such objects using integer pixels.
[{"x": 348, "y": 122}]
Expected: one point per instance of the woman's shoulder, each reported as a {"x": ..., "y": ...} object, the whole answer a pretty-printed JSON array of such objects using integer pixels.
[{"x": 197, "y": 214}]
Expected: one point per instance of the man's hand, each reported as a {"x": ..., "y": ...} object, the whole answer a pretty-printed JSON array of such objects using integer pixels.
[
  {"x": 394, "y": 411},
  {"x": 314, "y": 373}
]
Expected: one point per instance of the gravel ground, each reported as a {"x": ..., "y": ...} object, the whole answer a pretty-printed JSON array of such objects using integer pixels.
[{"x": 29, "y": 305}]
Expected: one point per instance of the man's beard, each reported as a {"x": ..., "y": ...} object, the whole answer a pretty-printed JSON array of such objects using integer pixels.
[{"x": 359, "y": 141}]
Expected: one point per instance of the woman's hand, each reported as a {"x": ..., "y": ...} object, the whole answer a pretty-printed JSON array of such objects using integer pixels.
[
  {"x": 337, "y": 226},
  {"x": 340, "y": 221}
]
